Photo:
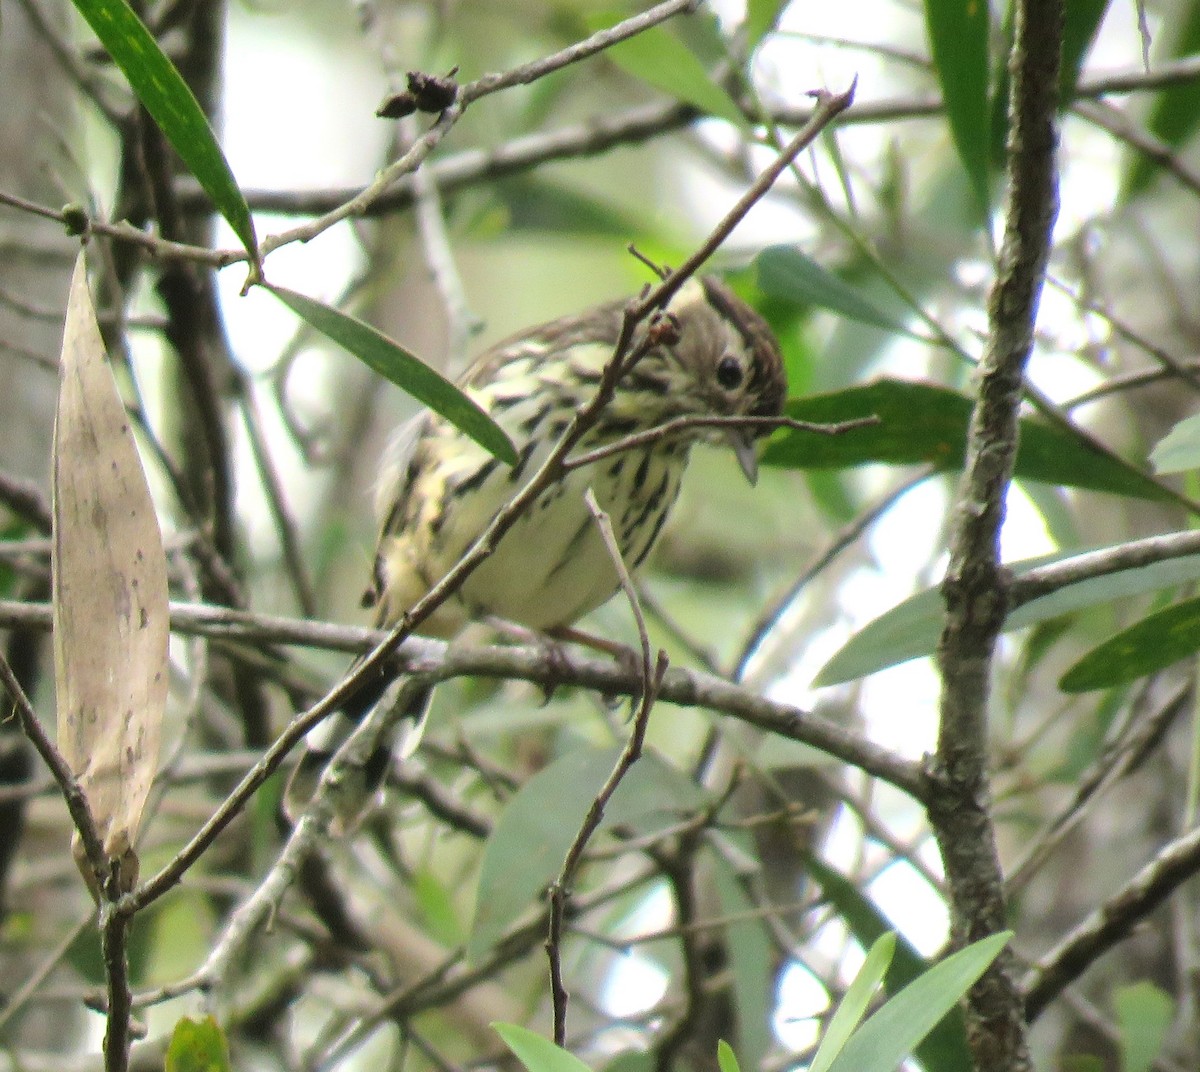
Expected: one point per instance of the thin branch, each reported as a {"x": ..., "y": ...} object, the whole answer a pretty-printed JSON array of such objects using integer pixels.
[
  {"x": 313, "y": 824},
  {"x": 1111, "y": 923},
  {"x": 601, "y": 133},
  {"x": 461, "y": 324},
  {"x": 77, "y": 805},
  {"x": 16, "y": 1001},
  {"x": 597, "y": 42},
  {"x": 651, "y": 674},
  {"x": 25, "y": 498},
  {"x": 1171, "y": 366},
  {"x": 1115, "y": 122},
  {"x": 438, "y": 662},
  {"x": 114, "y": 946},
  {"x": 1136, "y": 554},
  {"x": 676, "y": 425},
  {"x": 604, "y": 523},
  {"x": 560, "y": 887},
  {"x": 1118, "y": 759},
  {"x": 778, "y": 606},
  {"x": 273, "y": 491},
  {"x": 473, "y": 91}
]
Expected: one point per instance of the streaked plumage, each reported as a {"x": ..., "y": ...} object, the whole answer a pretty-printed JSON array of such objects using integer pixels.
[{"x": 551, "y": 568}]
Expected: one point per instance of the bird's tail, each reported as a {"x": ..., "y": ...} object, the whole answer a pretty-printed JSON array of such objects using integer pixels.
[{"x": 359, "y": 783}]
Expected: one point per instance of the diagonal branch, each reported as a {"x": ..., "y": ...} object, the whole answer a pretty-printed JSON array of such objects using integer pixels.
[{"x": 1112, "y": 922}]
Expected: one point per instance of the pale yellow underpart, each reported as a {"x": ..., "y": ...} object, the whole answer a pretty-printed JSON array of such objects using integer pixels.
[{"x": 552, "y": 567}]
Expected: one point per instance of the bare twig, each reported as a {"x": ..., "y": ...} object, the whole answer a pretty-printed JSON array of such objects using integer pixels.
[
  {"x": 32, "y": 983},
  {"x": 768, "y": 619},
  {"x": 1044, "y": 580},
  {"x": 1111, "y": 923},
  {"x": 26, "y": 499},
  {"x": 77, "y": 805},
  {"x": 473, "y": 91},
  {"x": 597, "y": 42},
  {"x": 560, "y": 888},
  {"x": 676, "y": 425},
  {"x": 652, "y": 675},
  {"x": 600, "y": 133},
  {"x": 1116, "y": 760},
  {"x": 1115, "y": 122},
  {"x": 273, "y": 491}
]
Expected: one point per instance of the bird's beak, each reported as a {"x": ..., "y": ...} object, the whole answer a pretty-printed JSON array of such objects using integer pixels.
[{"x": 742, "y": 442}]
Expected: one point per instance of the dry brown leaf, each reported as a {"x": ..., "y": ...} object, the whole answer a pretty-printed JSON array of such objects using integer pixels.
[{"x": 110, "y": 591}]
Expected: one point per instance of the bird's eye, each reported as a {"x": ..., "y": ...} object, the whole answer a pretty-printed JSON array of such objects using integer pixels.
[{"x": 729, "y": 373}]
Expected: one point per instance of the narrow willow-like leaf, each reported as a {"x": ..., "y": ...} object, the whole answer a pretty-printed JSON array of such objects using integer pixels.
[
  {"x": 853, "y": 1005},
  {"x": 910, "y": 629},
  {"x": 786, "y": 273},
  {"x": 1152, "y": 644},
  {"x": 751, "y": 954},
  {"x": 894, "y": 1031},
  {"x": 945, "y": 1048},
  {"x": 958, "y": 40},
  {"x": 110, "y": 609},
  {"x": 411, "y": 374},
  {"x": 660, "y": 59},
  {"x": 536, "y": 1053},
  {"x": 926, "y": 423},
  {"x": 166, "y": 96}
]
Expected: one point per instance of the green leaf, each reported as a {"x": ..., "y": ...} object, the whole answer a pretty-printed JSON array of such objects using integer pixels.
[
  {"x": 658, "y": 57},
  {"x": 851, "y": 1008},
  {"x": 1144, "y": 1015},
  {"x": 1179, "y": 450},
  {"x": 911, "y": 629},
  {"x": 1157, "y": 641},
  {"x": 761, "y": 18},
  {"x": 538, "y": 1054},
  {"x": 537, "y": 826},
  {"x": 165, "y": 95},
  {"x": 923, "y": 422},
  {"x": 436, "y": 905},
  {"x": 535, "y": 204},
  {"x": 726, "y": 1059},
  {"x": 958, "y": 41},
  {"x": 378, "y": 352},
  {"x": 1083, "y": 19},
  {"x": 197, "y": 1046},
  {"x": 786, "y": 273},
  {"x": 751, "y": 957},
  {"x": 893, "y": 1032},
  {"x": 945, "y": 1047},
  {"x": 1176, "y": 111}
]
